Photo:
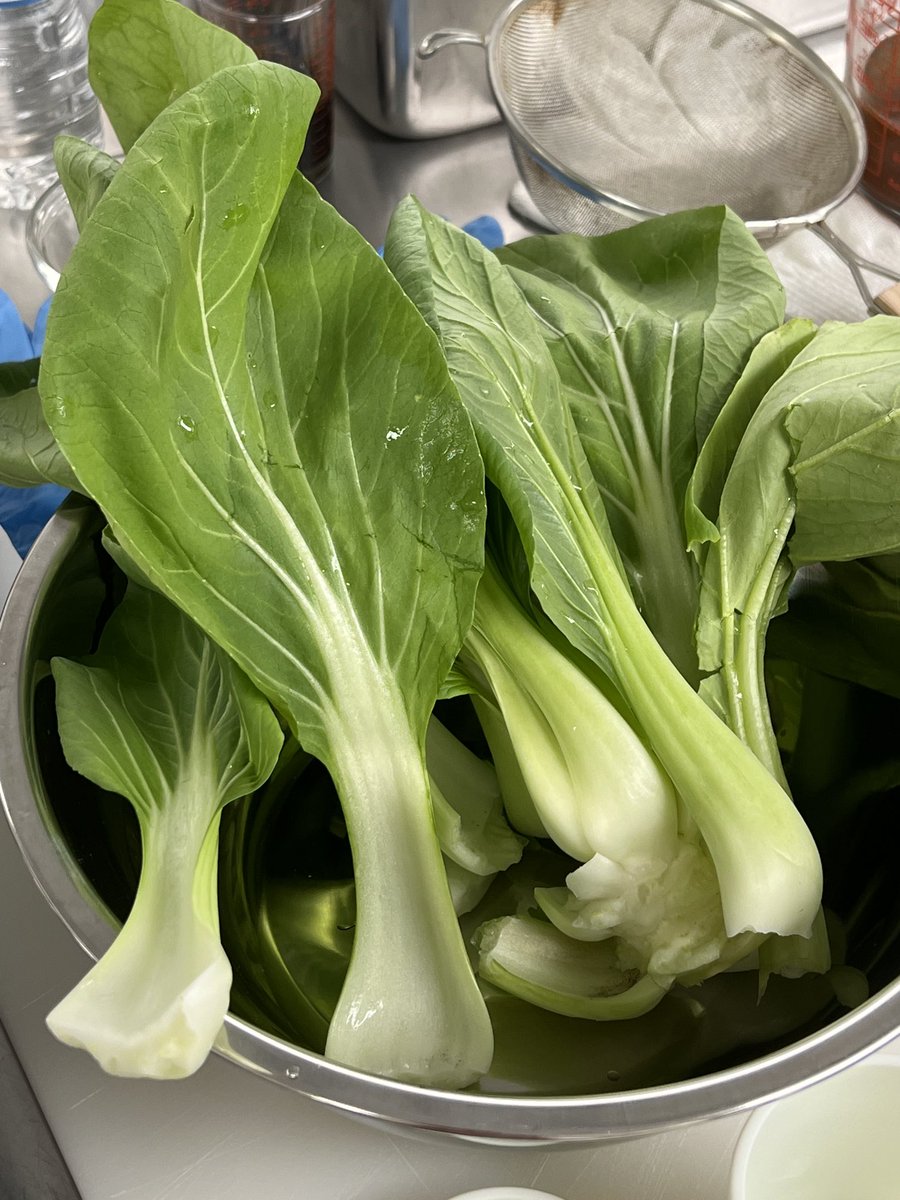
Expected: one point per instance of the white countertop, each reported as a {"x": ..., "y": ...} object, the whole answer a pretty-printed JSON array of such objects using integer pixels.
[{"x": 224, "y": 1133}]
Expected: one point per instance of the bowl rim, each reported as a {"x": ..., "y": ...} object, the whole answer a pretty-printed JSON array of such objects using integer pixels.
[{"x": 513, "y": 1119}]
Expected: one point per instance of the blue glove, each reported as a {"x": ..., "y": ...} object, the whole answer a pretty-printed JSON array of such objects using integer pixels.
[
  {"x": 24, "y": 511},
  {"x": 16, "y": 341},
  {"x": 486, "y": 230}
]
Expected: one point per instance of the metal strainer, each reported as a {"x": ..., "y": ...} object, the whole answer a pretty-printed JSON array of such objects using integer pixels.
[{"x": 618, "y": 111}]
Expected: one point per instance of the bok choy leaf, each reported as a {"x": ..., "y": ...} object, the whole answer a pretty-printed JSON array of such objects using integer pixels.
[
  {"x": 85, "y": 171},
  {"x": 145, "y": 53},
  {"x": 814, "y": 477},
  {"x": 272, "y": 433},
  {"x": 601, "y": 795},
  {"x": 163, "y": 717},
  {"x": 534, "y": 961},
  {"x": 29, "y": 454},
  {"x": 468, "y": 810},
  {"x": 649, "y": 328}
]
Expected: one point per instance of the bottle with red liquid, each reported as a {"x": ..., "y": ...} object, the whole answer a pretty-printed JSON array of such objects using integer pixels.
[
  {"x": 295, "y": 33},
  {"x": 873, "y": 76}
]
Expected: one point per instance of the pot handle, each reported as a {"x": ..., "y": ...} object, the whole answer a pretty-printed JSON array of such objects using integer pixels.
[{"x": 440, "y": 39}]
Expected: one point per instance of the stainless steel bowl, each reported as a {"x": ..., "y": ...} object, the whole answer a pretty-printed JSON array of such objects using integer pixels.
[{"x": 56, "y": 603}]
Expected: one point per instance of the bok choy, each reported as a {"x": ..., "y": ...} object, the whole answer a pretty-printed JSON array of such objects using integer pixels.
[
  {"x": 165, "y": 718},
  {"x": 271, "y": 431},
  {"x": 767, "y": 866}
]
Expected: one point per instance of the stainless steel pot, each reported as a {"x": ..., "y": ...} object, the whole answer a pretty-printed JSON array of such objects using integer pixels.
[
  {"x": 380, "y": 73},
  {"x": 56, "y": 603}
]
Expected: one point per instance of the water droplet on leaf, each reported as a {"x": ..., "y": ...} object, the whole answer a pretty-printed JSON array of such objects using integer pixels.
[{"x": 235, "y": 216}]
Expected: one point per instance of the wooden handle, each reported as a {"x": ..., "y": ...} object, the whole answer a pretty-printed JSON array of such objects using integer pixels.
[{"x": 888, "y": 301}]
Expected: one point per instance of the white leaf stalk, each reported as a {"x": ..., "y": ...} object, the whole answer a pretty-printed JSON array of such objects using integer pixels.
[
  {"x": 668, "y": 921},
  {"x": 468, "y": 808},
  {"x": 600, "y": 794},
  {"x": 467, "y": 889},
  {"x": 163, "y": 717},
  {"x": 594, "y": 785},
  {"x": 153, "y": 1004},
  {"x": 430, "y": 1027},
  {"x": 534, "y": 961}
]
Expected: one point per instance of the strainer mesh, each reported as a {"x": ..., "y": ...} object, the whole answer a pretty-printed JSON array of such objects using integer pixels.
[{"x": 667, "y": 104}]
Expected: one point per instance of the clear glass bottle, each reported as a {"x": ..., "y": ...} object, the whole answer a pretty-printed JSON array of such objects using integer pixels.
[{"x": 44, "y": 91}]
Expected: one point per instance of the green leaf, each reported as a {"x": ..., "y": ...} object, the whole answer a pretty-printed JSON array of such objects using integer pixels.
[
  {"x": 739, "y": 513},
  {"x": 164, "y": 718},
  {"x": 649, "y": 328},
  {"x": 29, "y": 454},
  {"x": 511, "y": 387},
  {"x": 824, "y": 439},
  {"x": 844, "y": 424},
  {"x": 768, "y": 361},
  {"x": 843, "y": 620},
  {"x": 156, "y": 693},
  {"x": 815, "y": 476},
  {"x": 17, "y": 377},
  {"x": 289, "y": 462},
  {"x": 86, "y": 172},
  {"x": 145, "y": 53}
]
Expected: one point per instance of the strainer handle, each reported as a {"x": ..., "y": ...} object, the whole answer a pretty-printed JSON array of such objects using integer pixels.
[
  {"x": 887, "y": 301},
  {"x": 440, "y": 39}
]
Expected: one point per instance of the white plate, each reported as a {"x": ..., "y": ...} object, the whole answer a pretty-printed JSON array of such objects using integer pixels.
[
  {"x": 505, "y": 1193},
  {"x": 832, "y": 1141}
]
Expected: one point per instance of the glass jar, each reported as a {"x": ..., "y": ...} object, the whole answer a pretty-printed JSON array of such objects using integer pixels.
[{"x": 873, "y": 76}]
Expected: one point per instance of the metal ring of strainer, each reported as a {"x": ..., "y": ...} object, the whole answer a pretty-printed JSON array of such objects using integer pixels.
[{"x": 620, "y": 110}]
